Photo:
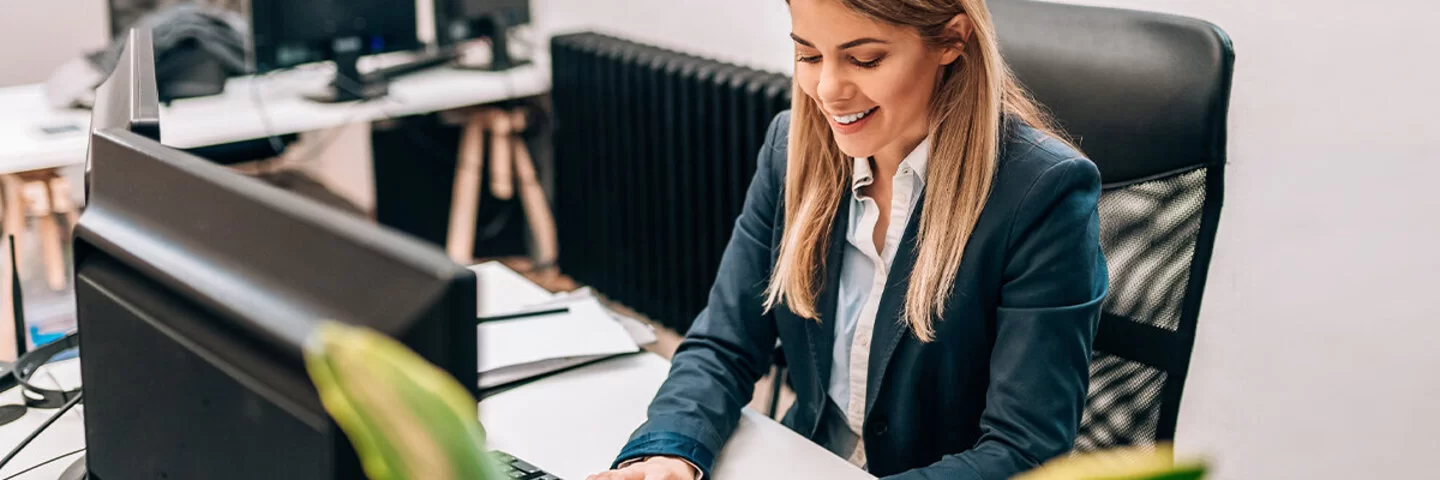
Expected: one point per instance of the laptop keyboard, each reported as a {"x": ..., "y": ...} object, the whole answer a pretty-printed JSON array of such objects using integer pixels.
[{"x": 519, "y": 469}]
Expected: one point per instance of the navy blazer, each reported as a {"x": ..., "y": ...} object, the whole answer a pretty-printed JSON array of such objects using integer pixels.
[{"x": 1000, "y": 389}]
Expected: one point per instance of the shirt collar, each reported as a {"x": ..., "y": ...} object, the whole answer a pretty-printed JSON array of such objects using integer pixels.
[{"x": 916, "y": 163}]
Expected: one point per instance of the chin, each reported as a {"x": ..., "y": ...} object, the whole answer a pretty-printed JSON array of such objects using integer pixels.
[{"x": 854, "y": 147}]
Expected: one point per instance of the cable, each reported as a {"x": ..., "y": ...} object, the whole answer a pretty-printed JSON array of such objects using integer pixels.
[
  {"x": 509, "y": 79},
  {"x": 275, "y": 143},
  {"x": 38, "y": 430},
  {"x": 41, "y": 464},
  {"x": 79, "y": 409},
  {"x": 353, "y": 87},
  {"x": 312, "y": 151}
]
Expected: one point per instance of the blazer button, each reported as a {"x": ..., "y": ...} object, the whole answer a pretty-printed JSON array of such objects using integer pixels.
[{"x": 878, "y": 428}]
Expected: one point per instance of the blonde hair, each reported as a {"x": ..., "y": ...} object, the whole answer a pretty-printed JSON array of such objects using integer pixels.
[{"x": 965, "y": 131}]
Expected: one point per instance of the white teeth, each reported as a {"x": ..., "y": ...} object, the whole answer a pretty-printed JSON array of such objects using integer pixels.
[{"x": 852, "y": 118}]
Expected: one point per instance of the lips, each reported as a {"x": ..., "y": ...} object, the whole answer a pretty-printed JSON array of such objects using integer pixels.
[
  {"x": 854, "y": 117},
  {"x": 852, "y": 123}
]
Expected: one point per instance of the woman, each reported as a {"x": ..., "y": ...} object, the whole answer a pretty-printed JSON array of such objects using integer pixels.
[{"x": 924, "y": 246}]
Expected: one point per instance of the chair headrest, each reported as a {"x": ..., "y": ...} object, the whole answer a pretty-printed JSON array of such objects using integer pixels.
[{"x": 1144, "y": 94}]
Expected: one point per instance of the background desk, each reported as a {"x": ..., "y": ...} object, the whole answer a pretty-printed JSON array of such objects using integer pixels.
[{"x": 248, "y": 103}]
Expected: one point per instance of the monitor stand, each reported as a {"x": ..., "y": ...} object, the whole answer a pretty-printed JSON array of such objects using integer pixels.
[
  {"x": 349, "y": 85},
  {"x": 497, "y": 29}
]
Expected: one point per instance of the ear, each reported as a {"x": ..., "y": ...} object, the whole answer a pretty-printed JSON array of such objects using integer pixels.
[{"x": 962, "y": 28}]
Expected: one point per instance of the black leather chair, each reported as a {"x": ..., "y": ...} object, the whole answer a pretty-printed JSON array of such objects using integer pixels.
[{"x": 1146, "y": 96}]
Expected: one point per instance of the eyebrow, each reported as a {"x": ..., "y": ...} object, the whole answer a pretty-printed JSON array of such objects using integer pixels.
[{"x": 844, "y": 46}]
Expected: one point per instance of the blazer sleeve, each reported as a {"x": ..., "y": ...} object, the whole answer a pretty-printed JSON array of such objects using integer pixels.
[
  {"x": 1054, "y": 280},
  {"x": 714, "y": 370}
]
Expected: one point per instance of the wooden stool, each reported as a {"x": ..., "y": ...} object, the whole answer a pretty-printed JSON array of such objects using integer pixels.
[
  {"x": 532, "y": 198},
  {"x": 44, "y": 195},
  {"x": 465, "y": 197},
  {"x": 509, "y": 159},
  {"x": 8, "y": 350}
]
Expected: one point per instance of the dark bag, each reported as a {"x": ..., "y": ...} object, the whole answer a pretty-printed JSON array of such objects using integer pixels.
[{"x": 196, "y": 49}]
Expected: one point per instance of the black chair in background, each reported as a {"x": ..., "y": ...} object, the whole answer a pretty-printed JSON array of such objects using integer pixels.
[{"x": 1145, "y": 95}]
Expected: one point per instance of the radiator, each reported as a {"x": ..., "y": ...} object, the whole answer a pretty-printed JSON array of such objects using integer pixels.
[{"x": 654, "y": 150}]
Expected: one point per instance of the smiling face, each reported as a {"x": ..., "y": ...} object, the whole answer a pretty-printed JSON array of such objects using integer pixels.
[{"x": 872, "y": 80}]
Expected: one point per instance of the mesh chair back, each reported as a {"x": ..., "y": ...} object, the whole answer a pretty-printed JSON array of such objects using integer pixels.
[{"x": 1145, "y": 95}]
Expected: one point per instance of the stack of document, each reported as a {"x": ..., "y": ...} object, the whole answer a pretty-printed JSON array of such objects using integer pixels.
[{"x": 525, "y": 331}]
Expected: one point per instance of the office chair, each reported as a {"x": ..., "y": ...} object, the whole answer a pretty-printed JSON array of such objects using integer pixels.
[{"x": 1145, "y": 95}]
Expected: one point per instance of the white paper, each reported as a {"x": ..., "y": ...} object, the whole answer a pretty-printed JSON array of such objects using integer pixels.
[
  {"x": 501, "y": 376},
  {"x": 640, "y": 332},
  {"x": 587, "y": 329},
  {"x": 503, "y": 291}
]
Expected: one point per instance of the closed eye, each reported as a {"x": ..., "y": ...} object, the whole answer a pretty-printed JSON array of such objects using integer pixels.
[{"x": 867, "y": 63}]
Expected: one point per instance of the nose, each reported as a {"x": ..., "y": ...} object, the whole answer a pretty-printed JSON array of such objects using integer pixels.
[{"x": 835, "y": 86}]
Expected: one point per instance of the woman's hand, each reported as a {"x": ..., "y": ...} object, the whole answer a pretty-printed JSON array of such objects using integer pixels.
[{"x": 653, "y": 468}]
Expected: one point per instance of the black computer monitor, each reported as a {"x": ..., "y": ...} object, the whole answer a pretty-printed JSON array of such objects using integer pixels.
[
  {"x": 118, "y": 104},
  {"x": 460, "y": 20},
  {"x": 286, "y": 33},
  {"x": 196, "y": 288}
]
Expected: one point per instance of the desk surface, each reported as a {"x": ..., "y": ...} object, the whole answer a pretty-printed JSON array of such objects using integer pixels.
[
  {"x": 248, "y": 104},
  {"x": 66, "y": 435},
  {"x": 573, "y": 425}
]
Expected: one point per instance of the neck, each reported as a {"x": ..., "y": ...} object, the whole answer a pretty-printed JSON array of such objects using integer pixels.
[{"x": 887, "y": 160}]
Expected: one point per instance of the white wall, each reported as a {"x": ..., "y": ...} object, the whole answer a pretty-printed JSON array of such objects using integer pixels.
[
  {"x": 37, "y": 36},
  {"x": 749, "y": 32},
  {"x": 1317, "y": 353}
]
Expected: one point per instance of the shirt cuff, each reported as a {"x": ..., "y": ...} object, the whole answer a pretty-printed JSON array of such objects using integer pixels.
[
  {"x": 671, "y": 445},
  {"x": 699, "y": 475}
]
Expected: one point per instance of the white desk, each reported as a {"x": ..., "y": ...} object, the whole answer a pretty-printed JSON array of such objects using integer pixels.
[
  {"x": 235, "y": 115},
  {"x": 66, "y": 435},
  {"x": 572, "y": 424}
]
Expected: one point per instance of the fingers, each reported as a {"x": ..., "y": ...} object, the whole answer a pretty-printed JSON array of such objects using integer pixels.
[
  {"x": 669, "y": 468},
  {"x": 661, "y": 474},
  {"x": 633, "y": 472},
  {"x": 657, "y": 468}
]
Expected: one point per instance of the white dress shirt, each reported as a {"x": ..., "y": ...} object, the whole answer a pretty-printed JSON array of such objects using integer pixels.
[{"x": 862, "y": 281}]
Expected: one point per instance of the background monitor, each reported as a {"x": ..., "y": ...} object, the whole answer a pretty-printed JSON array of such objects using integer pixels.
[
  {"x": 286, "y": 33},
  {"x": 460, "y": 20},
  {"x": 196, "y": 288}
]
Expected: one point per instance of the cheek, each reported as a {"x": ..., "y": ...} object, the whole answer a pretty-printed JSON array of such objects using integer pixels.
[
  {"x": 904, "y": 90},
  {"x": 807, "y": 79}
]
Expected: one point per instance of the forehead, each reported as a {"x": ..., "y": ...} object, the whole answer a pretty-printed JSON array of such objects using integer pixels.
[{"x": 828, "y": 23}]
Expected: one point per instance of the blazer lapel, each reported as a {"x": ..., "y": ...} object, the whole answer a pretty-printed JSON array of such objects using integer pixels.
[
  {"x": 889, "y": 324},
  {"x": 822, "y": 333}
]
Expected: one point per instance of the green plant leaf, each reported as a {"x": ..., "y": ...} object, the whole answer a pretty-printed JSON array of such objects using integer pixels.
[
  {"x": 406, "y": 418},
  {"x": 1140, "y": 463}
]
